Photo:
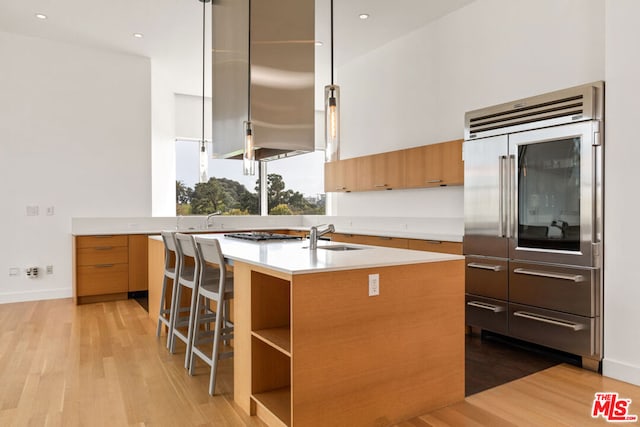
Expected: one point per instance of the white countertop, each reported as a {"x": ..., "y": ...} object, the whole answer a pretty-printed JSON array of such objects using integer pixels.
[{"x": 294, "y": 257}]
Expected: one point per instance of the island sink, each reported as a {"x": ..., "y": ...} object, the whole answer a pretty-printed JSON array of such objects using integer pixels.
[
  {"x": 337, "y": 248},
  {"x": 341, "y": 248}
]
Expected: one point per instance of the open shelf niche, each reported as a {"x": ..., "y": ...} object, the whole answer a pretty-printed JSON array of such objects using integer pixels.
[{"x": 271, "y": 347}]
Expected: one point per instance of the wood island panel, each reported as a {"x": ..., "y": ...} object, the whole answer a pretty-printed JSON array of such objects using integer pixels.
[
  {"x": 354, "y": 360},
  {"x": 242, "y": 337},
  {"x": 360, "y": 360}
]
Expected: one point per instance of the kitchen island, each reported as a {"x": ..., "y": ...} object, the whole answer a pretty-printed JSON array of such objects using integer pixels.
[{"x": 312, "y": 347}]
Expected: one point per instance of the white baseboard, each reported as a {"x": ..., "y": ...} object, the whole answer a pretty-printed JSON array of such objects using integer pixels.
[
  {"x": 621, "y": 371},
  {"x": 35, "y": 295}
]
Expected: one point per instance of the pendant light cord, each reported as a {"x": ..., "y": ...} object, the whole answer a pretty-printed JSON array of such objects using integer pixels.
[
  {"x": 204, "y": 4},
  {"x": 331, "y": 42},
  {"x": 249, "y": 68}
]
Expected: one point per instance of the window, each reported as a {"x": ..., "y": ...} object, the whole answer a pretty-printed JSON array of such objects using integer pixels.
[
  {"x": 302, "y": 186},
  {"x": 295, "y": 184}
]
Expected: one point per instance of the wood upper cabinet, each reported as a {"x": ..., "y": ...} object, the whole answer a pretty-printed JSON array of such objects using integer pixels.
[
  {"x": 340, "y": 176},
  {"x": 434, "y": 165},
  {"x": 380, "y": 171}
]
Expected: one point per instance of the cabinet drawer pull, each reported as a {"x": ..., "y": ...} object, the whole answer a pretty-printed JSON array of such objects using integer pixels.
[
  {"x": 341, "y": 188},
  {"x": 385, "y": 238},
  {"x": 486, "y": 306},
  {"x": 104, "y": 236},
  {"x": 484, "y": 266},
  {"x": 434, "y": 242},
  {"x": 562, "y": 276},
  {"x": 550, "y": 320},
  {"x": 433, "y": 181},
  {"x": 380, "y": 185},
  {"x": 103, "y": 248},
  {"x": 104, "y": 265}
]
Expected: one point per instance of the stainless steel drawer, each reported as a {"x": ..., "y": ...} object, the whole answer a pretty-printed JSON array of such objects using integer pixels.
[
  {"x": 487, "y": 277},
  {"x": 567, "y": 289},
  {"x": 573, "y": 334},
  {"x": 486, "y": 313}
]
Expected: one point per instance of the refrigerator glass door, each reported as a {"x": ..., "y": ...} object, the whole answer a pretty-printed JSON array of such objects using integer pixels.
[
  {"x": 485, "y": 196},
  {"x": 553, "y": 185}
]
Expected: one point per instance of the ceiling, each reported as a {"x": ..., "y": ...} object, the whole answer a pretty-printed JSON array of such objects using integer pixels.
[{"x": 172, "y": 29}]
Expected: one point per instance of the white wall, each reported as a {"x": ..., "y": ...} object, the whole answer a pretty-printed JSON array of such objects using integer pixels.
[
  {"x": 494, "y": 51},
  {"x": 415, "y": 90},
  {"x": 163, "y": 155},
  {"x": 75, "y": 135},
  {"x": 622, "y": 206}
]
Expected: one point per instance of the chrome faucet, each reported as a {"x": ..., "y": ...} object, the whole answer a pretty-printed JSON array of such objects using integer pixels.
[
  {"x": 209, "y": 221},
  {"x": 315, "y": 232}
]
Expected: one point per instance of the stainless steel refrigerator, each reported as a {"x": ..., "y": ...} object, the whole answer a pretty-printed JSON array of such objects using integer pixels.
[{"x": 533, "y": 201}]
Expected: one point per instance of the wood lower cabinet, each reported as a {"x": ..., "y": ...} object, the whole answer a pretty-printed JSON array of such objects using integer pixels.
[
  {"x": 108, "y": 267},
  {"x": 138, "y": 259},
  {"x": 400, "y": 242},
  {"x": 359, "y": 239},
  {"x": 436, "y": 246}
]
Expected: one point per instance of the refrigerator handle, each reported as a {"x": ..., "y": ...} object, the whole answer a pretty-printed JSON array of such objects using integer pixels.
[
  {"x": 511, "y": 198},
  {"x": 501, "y": 196}
]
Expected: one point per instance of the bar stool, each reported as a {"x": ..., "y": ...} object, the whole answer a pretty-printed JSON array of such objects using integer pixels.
[
  {"x": 171, "y": 269},
  {"x": 186, "y": 278},
  {"x": 215, "y": 285}
]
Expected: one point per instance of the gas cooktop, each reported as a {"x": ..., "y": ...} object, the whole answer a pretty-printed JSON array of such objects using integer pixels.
[{"x": 260, "y": 236}]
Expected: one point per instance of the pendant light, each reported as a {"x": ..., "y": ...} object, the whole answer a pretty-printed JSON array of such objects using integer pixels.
[
  {"x": 332, "y": 113},
  {"x": 248, "y": 157},
  {"x": 204, "y": 162}
]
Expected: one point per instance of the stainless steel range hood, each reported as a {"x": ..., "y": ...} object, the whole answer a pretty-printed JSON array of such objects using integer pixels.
[{"x": 282, "y": 76}]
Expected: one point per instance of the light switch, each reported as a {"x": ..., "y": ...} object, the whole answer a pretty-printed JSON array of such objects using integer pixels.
[{"x": 374, "y": 285}]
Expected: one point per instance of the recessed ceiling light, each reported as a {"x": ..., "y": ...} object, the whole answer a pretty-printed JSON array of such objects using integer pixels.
[
  {"x": 41, "y": 16},
  {"x": 319, "y": 43},
  {"x": 138, "y": 35},
  {"x": 363, "y": 16}
]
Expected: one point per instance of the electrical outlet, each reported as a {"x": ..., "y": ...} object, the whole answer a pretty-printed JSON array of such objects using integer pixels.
[
  {"x": 51, "y": 210},
  {"x": 32, "y": 272},
  {"x": 33, "y": 211},
  {"x": 49, "y": 269},
  {"x": 374, "y": 285}
]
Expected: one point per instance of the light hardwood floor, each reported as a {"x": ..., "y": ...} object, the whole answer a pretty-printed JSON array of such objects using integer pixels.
[
  {"x": 559, "y": 396},
  {"x": 101, "y": 364}
]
